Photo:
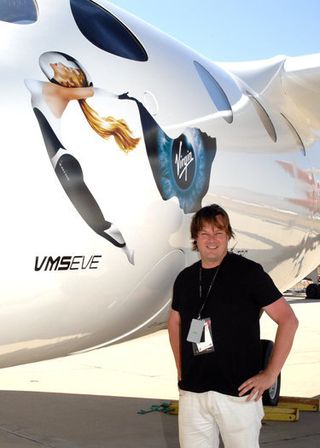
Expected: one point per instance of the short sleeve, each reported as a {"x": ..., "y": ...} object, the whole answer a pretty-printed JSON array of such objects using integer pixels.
[
  {"x": 176, "y": 294},
  {"x": 264, "y": 290}
]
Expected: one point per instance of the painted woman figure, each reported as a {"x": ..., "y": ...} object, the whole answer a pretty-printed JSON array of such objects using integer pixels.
[{"x": 69, "y": 81}]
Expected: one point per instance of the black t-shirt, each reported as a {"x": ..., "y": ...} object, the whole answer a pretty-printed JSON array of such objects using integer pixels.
[{"x": 240, "y": 290}]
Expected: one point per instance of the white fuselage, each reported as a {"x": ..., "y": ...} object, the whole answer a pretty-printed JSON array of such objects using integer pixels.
[{"x": 63, "y": 287}]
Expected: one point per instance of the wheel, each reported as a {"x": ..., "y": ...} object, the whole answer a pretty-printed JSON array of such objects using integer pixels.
[
  {"x": 271, "y": 395},
  {"x": 313, "y": 291}
]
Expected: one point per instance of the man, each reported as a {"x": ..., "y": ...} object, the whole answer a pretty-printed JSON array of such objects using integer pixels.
[{"x": 215, "y": 337}]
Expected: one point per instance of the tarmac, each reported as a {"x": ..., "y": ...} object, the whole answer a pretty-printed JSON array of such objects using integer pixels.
[{"x": 92, "y": 400}]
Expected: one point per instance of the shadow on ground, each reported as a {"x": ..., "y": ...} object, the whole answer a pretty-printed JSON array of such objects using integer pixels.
[{"x": 53, "y": 420}]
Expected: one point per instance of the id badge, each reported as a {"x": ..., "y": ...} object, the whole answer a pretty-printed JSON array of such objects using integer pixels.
[
  {"x": 206, "y": 346},
  {"x": 195, "y": 331}
]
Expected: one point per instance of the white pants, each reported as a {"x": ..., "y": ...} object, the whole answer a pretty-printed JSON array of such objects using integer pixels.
[{"x": 202, "y": 416}]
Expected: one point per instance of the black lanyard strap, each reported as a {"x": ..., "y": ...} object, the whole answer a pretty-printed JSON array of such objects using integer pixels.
[{"x": 209, "y": 289}]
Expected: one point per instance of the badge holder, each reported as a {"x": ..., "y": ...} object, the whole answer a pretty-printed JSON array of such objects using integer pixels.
[{"x": 205, "y": 346}]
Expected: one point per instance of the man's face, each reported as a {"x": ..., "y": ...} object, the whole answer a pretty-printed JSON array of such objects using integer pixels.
[{"x": 212, "y": 244}]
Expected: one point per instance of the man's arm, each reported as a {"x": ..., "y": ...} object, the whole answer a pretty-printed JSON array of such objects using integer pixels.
[
  {"x": 174, "y": 325},
  {"x": 281, "y": 313}
]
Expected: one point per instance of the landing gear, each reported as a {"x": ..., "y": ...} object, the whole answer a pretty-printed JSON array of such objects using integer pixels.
[
  {"x": 271, "y": 395},
  {"x": 313, "y": 291}
]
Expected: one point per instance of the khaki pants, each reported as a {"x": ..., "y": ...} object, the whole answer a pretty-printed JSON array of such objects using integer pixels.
[{"x": 202, "y": 416}]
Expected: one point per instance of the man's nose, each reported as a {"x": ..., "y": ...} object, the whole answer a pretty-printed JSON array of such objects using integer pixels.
[{"x": 212, "y": 237}]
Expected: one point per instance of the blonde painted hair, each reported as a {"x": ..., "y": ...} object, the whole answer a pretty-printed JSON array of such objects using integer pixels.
[{"x": 103, "y": 126}]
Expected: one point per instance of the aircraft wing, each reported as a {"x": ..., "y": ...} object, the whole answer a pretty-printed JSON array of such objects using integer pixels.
[
  {"x": 290, "y": 85},
  {"x": 301, "y": 83}
]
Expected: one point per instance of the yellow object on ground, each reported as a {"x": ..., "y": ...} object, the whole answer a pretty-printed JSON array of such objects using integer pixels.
[{"x": 287, "y": 410}]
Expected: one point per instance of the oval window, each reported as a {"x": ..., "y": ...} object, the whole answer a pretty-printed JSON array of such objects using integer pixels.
[
  {"x": 105, "y": 31},
  {"x": 297, "y": 137},
  {"x": 22, "y": 12},
  {"x": 264, "y": 117},
  {"x": 216, "y": 92}
]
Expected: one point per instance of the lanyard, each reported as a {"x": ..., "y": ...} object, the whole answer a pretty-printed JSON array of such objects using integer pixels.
[{"x": 209, "y": 289}]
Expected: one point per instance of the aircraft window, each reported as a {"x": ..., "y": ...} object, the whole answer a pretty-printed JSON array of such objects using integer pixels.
[
  {"x": 296, "y": 135},
  {"x": 105, "y": 31},
  {"x": 264, "y": 117},
  {"x": 21, "y": 12},
  {"x": 215, "y": 91}
]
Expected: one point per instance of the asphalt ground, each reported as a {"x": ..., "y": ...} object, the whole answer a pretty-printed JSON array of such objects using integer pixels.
[{"x": 92, "y": 400}]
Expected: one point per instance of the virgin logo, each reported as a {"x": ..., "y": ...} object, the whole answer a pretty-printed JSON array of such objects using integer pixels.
[{"x": 182, "y": 163}]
